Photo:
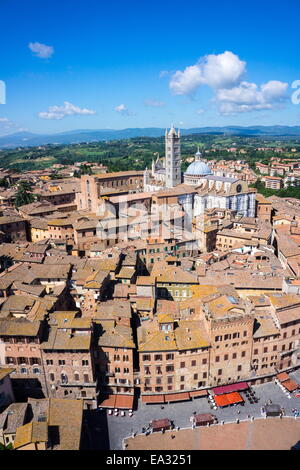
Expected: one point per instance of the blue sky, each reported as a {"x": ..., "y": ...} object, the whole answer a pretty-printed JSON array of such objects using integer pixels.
[{"x": 93, "y": 64}]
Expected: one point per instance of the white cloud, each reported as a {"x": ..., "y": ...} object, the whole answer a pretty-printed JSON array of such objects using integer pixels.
[
  {"x": 41, "y": 50},
  {"x": 6, "y": 123},
  {"x": 274, "y": 90},
  {"x": 200, "y": 111},
  {"x": 223, "y": 70},
  {"x": 154, "y": 103},
  {"x": 122, "y": 109},
  {"x": 250, "y": 97},
  {"x": 223, "y": 73},
  {"x": 217, "y": 71},
  {"x": 164, "y": 73},
  {"x": 186, "y": 82},
  {"x": 68, "y": 109}
]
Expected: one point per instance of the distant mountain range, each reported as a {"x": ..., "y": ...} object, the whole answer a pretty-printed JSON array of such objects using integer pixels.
[{"x": 27, "y": 139}]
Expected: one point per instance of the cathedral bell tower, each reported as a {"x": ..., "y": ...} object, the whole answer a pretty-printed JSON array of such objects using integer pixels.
[{"x": 172, "y": 158}]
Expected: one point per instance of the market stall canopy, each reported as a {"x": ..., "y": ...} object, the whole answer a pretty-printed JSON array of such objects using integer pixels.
[
  {"x": 198, "y": 393},
  {"x": 109, "y": 402},
  {"x": 204, "y": 419},
  {"x": 228, "y": 399},
  {"x": 238, "y": 387},
  {"x": 160, "y": 424},
  {"x": 177, "y": 397},
  {"x": 282, "y": 377},
  {"x": 153, "y": 399},
  {"x": 290, "y": 385},
  {"x": 124, "y": 402},
  {"x": 272, "y": 410}
]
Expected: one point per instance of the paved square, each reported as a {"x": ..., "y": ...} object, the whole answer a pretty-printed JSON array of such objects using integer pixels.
[{"x": 117, "y": 427}]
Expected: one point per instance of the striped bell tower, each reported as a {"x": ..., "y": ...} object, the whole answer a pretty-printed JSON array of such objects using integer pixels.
[{"x": 172, "y": 158}]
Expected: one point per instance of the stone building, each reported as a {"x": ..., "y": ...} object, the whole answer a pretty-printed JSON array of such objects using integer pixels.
[
  {"x": 263, "y": 208},
  {"x": 68, "y": 358},
  {"x": 20, "y": 342},
  {"x": 229, "y": 322},
  {"x": 14, "y": 228},
  {"x": 116, "y": 358},
  {"x": 94, "y": 187},
  {"x": 173, "y": 356},
  {"x": 175, "y": 284}
]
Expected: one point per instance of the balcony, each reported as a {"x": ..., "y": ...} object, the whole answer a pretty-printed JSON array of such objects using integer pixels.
[
  {"x": 76, "y": 384},
  {"x": 288, "y": 351}
]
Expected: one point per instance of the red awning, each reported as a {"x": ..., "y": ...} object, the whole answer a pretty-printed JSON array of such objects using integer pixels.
[
  {"x": 230, "y": 388},
  {"x": 282, "y": 377},
  {"x": 228, "y": 399},
  {"x": 153, "y": 399},
  {"x": 290, "y": 385},
  {"x": 124, "y": 402},
  {"x": 198, "y": 393},
  {"x": 177, "y": 397},
  {"x": 109, "y": 402}
]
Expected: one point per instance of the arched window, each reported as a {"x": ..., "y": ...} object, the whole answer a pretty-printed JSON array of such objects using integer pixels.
[{"x": 64, "y": 378}]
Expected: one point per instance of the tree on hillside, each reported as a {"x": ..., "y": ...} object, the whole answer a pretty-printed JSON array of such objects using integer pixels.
[
  {"x": 24, "y": 194},
  {"x": 83, "y": 170}
]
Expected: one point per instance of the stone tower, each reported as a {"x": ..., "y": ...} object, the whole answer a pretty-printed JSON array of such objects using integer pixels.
[{"x": 172, "y": 158}]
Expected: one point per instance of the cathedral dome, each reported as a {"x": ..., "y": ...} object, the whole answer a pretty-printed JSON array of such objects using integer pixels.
[{"x": 198, "y": 168}]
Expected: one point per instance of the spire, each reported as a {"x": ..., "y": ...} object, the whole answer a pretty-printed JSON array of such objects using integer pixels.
[
  {"x": 172, "y": 130},
  {"x": 198, "y": 154}
]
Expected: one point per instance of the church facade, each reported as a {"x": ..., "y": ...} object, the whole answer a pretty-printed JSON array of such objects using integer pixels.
[
  {"x": 225, "y": 193},
  {"x": 212, "y": 191}
]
